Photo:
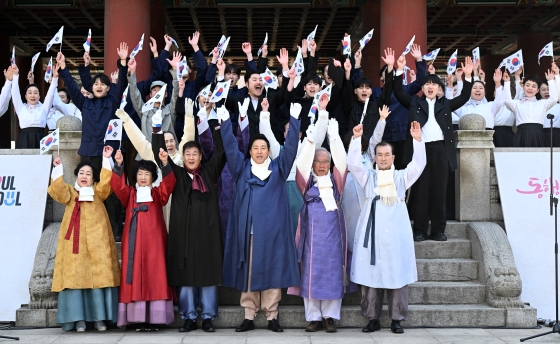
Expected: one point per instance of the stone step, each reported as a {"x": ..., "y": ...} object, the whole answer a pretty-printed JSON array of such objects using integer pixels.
[
  {"x": 452, "y": 248},
  {"x": 456, "y": 230},
  {"x": 419, "y": 293},
  {"x": 462, "y": 315},
  {"x": 447, "y": 269}
]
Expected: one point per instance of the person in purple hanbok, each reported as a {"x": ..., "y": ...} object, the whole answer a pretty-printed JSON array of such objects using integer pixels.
[{"x": 321, "y": 238}]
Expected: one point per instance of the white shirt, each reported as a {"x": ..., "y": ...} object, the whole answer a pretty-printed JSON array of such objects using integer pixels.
[
  {"x": 531, "y": 111},
  {"x": 431, "y": 131},
  {"x": 504, "y": 117},
  {"x": 5, "y": 97},
  {"x": 64, "y": 109},
  {"x": 32, "y": 115},
  {"x": 555, "y": 110},
  {"x": 484, "y": 108}
]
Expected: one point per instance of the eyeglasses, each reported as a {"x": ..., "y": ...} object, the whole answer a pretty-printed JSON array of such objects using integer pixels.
[{"x": 321, "y": 162}]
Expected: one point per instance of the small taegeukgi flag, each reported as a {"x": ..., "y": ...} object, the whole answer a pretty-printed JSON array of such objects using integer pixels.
[
  {"x": 431, "y": 55},
  {"x": 366, "y": 39},
  {"x": 220, "y": 44},
  {"x": 346, "y": 48},
  {"x": 123, "y": 99},
  {"x": 137, "y": 49},
  {"x": 57, "y": 39},
  {"x": 155, "y": 99},
  {"x": 265, "y": 41},
  {"x": 409, "y": 46},
  {"x": 310, "y": 37},
  {"x": 546, "y": 51},
  {"x": 476, "y": 55},
  {"x": 205, "y": 92},
  {"x": 49, "y": 141},
  {"x": 87, "y": 44},
  {"x": 48, "y": 72},
  {"x": 114, "y": 130},
  {"x": 514, "y": 62},
  {"x": 220, "y": 91},
  {"x": 34, "y": 60},
  {"x": 13, "y": 59},
  {"x": 269, "y": 79},
  {"x": 298, "y": 63},
  {"x": 452, "y": 63}
]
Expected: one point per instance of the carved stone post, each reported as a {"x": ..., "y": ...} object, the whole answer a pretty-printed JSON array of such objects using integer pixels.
[{"x": 472, "y": 178}]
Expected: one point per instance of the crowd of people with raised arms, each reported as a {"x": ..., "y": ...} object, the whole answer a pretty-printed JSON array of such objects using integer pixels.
[{"x": 300, "y": 187}]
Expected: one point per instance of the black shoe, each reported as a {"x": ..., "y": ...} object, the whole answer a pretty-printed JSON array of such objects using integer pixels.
[
  {"x": 314, "y": 326},
  {"x": 438, "y": 237},
  {"x": 247, "y": 325},
  {"x": 153, "y": 328},
  {"x": 330, "y": 326},
  {"x": 420, "y": 236},
  {"x": 141, "y": 328},
  {"x": 396, "y": 326},
  {"x": 274, "y": 326},
  {"x": 188, "y": 326},
  {"x": 372, "y": 326},
  {"x": 207, "y": 325}
]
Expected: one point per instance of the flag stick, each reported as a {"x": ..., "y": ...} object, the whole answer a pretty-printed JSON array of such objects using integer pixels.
[
  {"x": 58, "y": 147},
  {"x": 365, "y": 109},
  {"x": 60, "y": 46},
  {"x": 120, "y": 141}
]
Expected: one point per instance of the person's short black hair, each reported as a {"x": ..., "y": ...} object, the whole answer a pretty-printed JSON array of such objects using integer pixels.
[
  {"x": 63, "y": 89},
  {"x": 382, "y": 70},
  {"x": 191, "y": 144},
  {"x": 279, "y": 71},
  {"x": 363, "y": 82},
  {"x": 534, "y": 78},
  {"x": 94, "y": 169},
  {"x": 101, "y": 77},
  {"x": 432, "y": 78},
  {"x": 314, "y": 78},
  {"x": 29, "y": 86},
  {"x": 384, "y": 144},
  {"x": 255, "y": 138},
  {"x": 145, "y": 165},
  {"x": 250, "y": 73},
  {"x": 323, "y": 68},
  {"x": 479, "y": 81},
  {"x": 232, "y": 68}
]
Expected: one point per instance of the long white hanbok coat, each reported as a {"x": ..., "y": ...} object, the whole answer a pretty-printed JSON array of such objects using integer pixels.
[{"x": 395, "y": 264}]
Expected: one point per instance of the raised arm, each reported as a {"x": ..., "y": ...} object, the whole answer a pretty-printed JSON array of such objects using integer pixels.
[
  {"x": 6, "y": 93},
  {"x": 416, "y": 166},
  {"x": 288, "y": 154},
  {"x": 139, "y": 141},
  {"x": 465, "y": 94},
  {"x": 103, "y": 188},
  {"x": 188, "y": 130},
  {"x": 499, "y": 100},
  {"x": 75, "y": 93},
  {"x": 118, "y": 180},
  {"x": 379, "y": 130},
  {"x": 16, "y": 96},
  {"x": 360, "y": 173},
  {"x": 338, "y": 155},
  {"x": 58, "y": 190},
  {"x": 266, "y": 130},
  {"x": 304, "y": 162},
  {"x": 235, "y": 158},
  {"x": 133, "y": 92},
  {"x": 48, "y": 101}
]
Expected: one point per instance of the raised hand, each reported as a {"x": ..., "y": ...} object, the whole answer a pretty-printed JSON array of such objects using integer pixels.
[
  {"x": 176, "y": 59},
  {"x": 467, "y": 66},
  {"x": 153, "y": 47},
  {"x": 481, "y": 74},
  {"x": 347, "y": 65},
  {"x": 292, "y": 73},
  {"x": 168, "y": 42},
  {"x": 132, "y": 66},
  {"x": 115, "y": 77},
  {"x": 332, "y": 129},
  {"x": 295, "y": 110},
  {"x": 506, "y": 77},
  {"x": 337, "y": 63},
  {"x": 163, "y": 156},
  {"x": 401, "y": 63},
  {"x": 246, "y": 47},
  {"x": 215, "y": 55},
  {"x": 61, "y": 60},
  {"x": 15, "y": 69},
  {"x": 384, "y": 112},
  {"x": 181, "y": 85},
  {"x": 55, "y": 71},
  {"x": 87, "y": 59},
  {"x": 416, "y": 52},
  {"x": 358, "y": 59},
  {"x": 459, "y": 74},
  {"x": 449, "y": 80},
  {"x": 323, "y": 101},
  {"x": 265, "y": 105},
  {"x": 223, "y": 114},
  {"x": 498, "y": 77},
  {"x": 358, "y": 131},
  {"x": 122, "y": 51},
  {"x": 312, "y": 47},
  {"x": 476, "y": 67},
  {"x": 304, "y": 45},
  {"x": 57, "y": 161},
  {"x": 416, "y": 130},
  {"x": 119, "y": 158},
  {"x": 31, "y": 77},
  {"x": 189, "y": 108},
  {"x": 194, "y": 40},
  {"x": 412, "y": 75},
  {"x": 549, "y": 75},
  {"x": 221, "y": 67},
  {"x": 310, "y": 132},
  {"x": 431, "y": 69},
  {"x": 107, "y": 151},
  {"x": 283, "y": 58},
  {"x": 243, "y": 107},
  {"x": 9, "y": 73},
  {"x": 389, "y": 58}
]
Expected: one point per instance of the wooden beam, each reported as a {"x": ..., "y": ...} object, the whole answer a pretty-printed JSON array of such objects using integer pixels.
[
  {"x": 488, "y": 17},
  {"x": 172, "y": 31},
  {"x": 275, "y": 29},
  {"x": 39, "y": 20},
  {"x": 462, "y": 16},
  {"x": 72, "y": 46},
  {"x": 201, "y": 40},
  {"x": 477, "y": 43},
  {"x": 437, "y": 15},
  {"x": 300, "y": 29},
  {"x": 325, "y": 32},
  {"x": 433, "y": 42},
  {"x": 223, "y": 23},
  {"x": 26, "y": 48},
  {"x": 61, "y": 16},
  {"x": 250, "y": 25},
  {"x": 92, "y": 21},
  {"x": 13, "y": 20},
  {"x": 452, "y": 46},
  {"x": 95, "y": 47}
]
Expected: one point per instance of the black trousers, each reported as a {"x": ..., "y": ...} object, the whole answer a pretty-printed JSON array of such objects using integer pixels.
[
  {"x": 430, "y": 191},
  {"x": 112, "y": 203}
]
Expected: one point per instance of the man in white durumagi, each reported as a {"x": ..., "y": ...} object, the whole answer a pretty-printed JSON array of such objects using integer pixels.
[{"x": 383, "y": 246}]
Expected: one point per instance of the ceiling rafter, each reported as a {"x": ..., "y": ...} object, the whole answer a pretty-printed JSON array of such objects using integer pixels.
[
  {"x": 36, "y": 17},
  {"x": 464, "y": 15},
  {"x": 275, "y": 28},
  {"x": 328, "y": 24},
  {"x": 196, "y": 24},
  {"x": 63, "y": 17},
  {"x": 250, "y": 25},
  {"x": 488, "y": 17},
  {"x": 91, "y": 19},
  {"x": 300, "y": 29},
  {"x": 437, "y": 15}
]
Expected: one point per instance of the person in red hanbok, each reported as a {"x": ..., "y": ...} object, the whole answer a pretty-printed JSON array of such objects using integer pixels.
[{"x": 145, "y": 297}]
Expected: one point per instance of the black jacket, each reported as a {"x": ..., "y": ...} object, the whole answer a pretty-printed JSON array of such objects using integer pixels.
[{"x": 419, "y": 111}]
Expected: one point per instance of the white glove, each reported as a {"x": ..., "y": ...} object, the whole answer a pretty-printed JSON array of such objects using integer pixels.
[
  {"x": 122, "y": 115},
  {"x": 223, "y": 114},
  {"x": 310, "y": 133},
  {"x": 156, "y": 119},
  {"x": 332, "y": 129},
  {"x": 295, "y": 110},
  {"x": 189, "y": 104},
  {"x": 243, "y": 107}
]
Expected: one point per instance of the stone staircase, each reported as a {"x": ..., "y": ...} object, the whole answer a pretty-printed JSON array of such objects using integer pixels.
[{"x": 448, "y": 294}]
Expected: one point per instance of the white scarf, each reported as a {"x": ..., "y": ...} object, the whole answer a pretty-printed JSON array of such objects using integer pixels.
[
  {"x": 261, "y": 170},
  {"x": 528, "y": 99},
  {"x": 477, "y": 102},
  {"x": 325, "y": 186},
  {"x": 143, "y": 194},
  {"x": 386, "y": 186},
  {"x": 86, "y": 192}
]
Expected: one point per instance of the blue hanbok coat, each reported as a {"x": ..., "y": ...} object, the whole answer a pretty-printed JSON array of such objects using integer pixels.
[{"x": 264, "y": 206}]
